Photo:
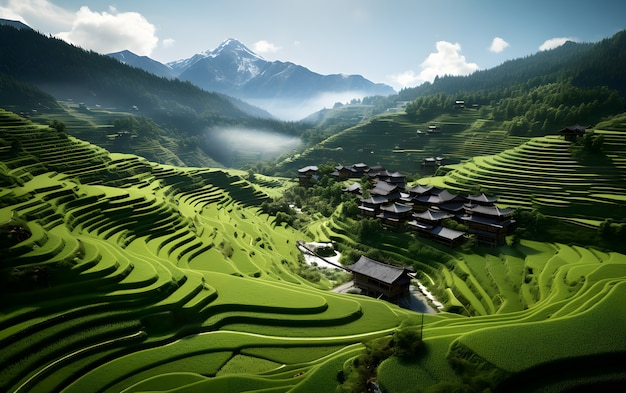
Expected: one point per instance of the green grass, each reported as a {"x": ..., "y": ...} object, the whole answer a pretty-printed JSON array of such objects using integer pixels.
[{"x": 172, "y": 278}]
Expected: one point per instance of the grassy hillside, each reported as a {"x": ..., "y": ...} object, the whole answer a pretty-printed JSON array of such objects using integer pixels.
[
  {"x": 397, "y": 142},
  {"x": 119, "y": 274}
]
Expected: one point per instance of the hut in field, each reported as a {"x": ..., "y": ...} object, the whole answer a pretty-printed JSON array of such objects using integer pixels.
[
  {"x": 381, "y": 280},
  {"x": 571, "y": 133}
]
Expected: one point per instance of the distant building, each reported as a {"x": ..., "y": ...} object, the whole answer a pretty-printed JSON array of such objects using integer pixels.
[
  {"x": 571, "y": 133},
  {"x": 307, "y": 174},
  {"x": 489, "y": 223},
  {"x": 394, "y": 214},
  {"x": 380, "y": 280}
]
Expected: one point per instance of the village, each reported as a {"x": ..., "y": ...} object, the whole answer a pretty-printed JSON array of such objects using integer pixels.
[{"x": 421, "y": 209}]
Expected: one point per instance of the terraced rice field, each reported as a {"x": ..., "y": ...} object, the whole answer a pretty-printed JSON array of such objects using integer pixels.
[
  {"x": 396, "y": 142},
  {"x": 122, "y": 275},
  {"x": 542, "y": 173}
]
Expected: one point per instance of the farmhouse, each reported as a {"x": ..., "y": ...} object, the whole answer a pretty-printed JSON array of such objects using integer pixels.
[
  {"x": 370, "y": 207},
  {"x": 351, "y": 172},
  {"x": 380, "y": 280},
  {"x": 489, "y": 223},
  {"x": 447, "y": 236},
  {"x": 394, "y": 214},
  {"x": 571, "y": 133},
  {"x": 307, "y": 174},
  {"x": 354, "y": 188}
]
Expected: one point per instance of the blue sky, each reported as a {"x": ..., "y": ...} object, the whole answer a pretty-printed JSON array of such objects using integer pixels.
[{"x": 399, "y": 42}]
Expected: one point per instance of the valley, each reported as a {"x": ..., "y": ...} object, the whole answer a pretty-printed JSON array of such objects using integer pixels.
[{"x": 149, "y": 232}]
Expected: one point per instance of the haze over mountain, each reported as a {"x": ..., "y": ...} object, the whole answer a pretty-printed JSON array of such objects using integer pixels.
[{"x": 285, "y": 89}]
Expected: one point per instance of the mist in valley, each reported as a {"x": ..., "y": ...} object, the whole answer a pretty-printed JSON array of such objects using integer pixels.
[
  {"x": 235, "y": 146},
  {"x": 298, "y": 109}
]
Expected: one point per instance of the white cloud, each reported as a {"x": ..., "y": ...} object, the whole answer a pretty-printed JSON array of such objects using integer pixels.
[
  {"x": 263, "y": 47},
  {"x": 555, "y": 42},
  {"x": 406, "y": 78},
  {"x": 41, "y": 15},
  {"x": 498, "y": 45},
  {"x": 446, "y": 61},
  {"x": 112, "y": 31},
  {"x": 168, "y": 42}
]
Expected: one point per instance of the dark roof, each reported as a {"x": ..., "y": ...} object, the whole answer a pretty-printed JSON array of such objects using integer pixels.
[
  {"x": 383, "y": 185},
  {"x": 447, "y": 233},
  {"x": 354, "y": 187},
  {"x": 375, "y": 200},
  {"x": 483, "y": 198},
  {"x": 453, "y": 206},
  {"x": 439, "y": 197},
  {"x": 376, "y": 168},
  {"x": 433, "y": 215},
  {"x": 490, "y": 221},
  {"x": 383, "y": 272},
  {"x": 310, "y": 168},
  {"x": 493, "y": 211},
  {"x": 419, "y": 189},
  {"x": 396, "y": 208},
  {"x": 576, "y": 128}
]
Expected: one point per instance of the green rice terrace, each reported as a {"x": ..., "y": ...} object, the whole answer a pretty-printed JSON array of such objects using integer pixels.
[{"x": 123, "y": 275}]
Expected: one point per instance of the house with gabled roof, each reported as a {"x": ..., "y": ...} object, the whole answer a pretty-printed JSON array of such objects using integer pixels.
[
  {"x": 490, "y": 224},
  {"x": 447, "y": 236},
  {"x": 380, "y": 280},
  {"x": 354, "y": 188},
  {"x": 571, "y": 133},
  {"x": 419, "y": 190},
  {"x": 394, "y": 214},
  {"x": 426, "y": 221},
  {"x": 370, "y": 207},
  {"x": 307, "y": 174}
]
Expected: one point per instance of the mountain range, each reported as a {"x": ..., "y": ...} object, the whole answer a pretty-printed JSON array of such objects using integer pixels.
[{"x": 285, "y": 89}]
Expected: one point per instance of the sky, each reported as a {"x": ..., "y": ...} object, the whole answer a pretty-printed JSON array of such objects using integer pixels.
[{"x": 402, "y": 43}]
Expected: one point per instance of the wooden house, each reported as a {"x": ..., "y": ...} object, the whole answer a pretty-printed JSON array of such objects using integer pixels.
[
  {"x": 490, "y": 224},
  {"x": 390, "y": 191},
  {"x": 482, "y": 199},
  {"x": 380, "y": 280},
  {"x": 571, "y": 133},
  {"x": 370, "y": 207},
  {"x": 394, "y": 214},
  {"x": 307, "y": 174},
  {"x": 354, "y": 188},
  {"x": 355, "y": 171},
  {"x": 447, "y": 236}
]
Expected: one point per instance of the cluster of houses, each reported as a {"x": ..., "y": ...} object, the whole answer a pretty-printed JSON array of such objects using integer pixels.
[
  {"x": 420, "y": 208},
  {"x": 423, "y": 208}
]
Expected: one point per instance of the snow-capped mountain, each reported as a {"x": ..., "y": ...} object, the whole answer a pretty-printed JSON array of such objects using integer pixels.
[
  {"x": 225, "y": 69},
  {"x": 234, "y": 69},
  {"x": 276, "y": 86}
]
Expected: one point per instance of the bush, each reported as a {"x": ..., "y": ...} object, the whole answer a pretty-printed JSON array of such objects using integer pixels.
[{"x": 407, "y": 342}]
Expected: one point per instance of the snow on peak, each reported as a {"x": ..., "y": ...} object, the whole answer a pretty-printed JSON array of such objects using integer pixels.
[{"x": 232, "y": 45}]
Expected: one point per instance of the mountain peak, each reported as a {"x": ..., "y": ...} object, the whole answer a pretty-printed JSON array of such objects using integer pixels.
[
  {"x": 14, "y": 23},
  {"x": 233, "y": 46}
]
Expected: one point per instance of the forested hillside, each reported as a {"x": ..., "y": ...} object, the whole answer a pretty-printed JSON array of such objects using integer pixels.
[{"x": 46, "y": 79}]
